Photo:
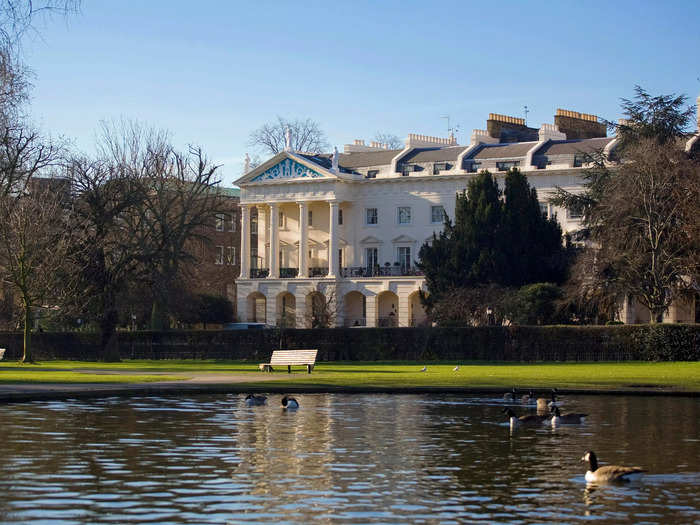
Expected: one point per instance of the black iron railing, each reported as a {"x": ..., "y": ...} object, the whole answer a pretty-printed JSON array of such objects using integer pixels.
[{"x": 379, "y": 271}]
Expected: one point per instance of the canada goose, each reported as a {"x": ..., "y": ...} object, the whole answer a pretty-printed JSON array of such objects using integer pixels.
[
  {"x": 528, "y": 420},
  {"x": 455, "y": 368},
  {"x": 252, "y": 400},
  {"x": 544, "y": 403},
  {"x": 424, "y": 369},
  {"x": 289, "y": 402},
  {"x": 509, "y": 396},
  {"x": 571, "y": 418},
  {"x": 608, "y": 472},
  {"x": 528, "y": 398}
]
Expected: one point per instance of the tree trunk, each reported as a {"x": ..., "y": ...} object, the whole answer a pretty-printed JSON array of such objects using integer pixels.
[
  {"x": 109, "y": 345},
  {"x": 27, "y": 355},
  {"x": 159, "y": 316}
]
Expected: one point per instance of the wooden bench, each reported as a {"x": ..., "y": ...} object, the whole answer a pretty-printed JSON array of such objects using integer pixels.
[
  {"x": 2, "y": 353},
  {"x": 290, "y": 358}
]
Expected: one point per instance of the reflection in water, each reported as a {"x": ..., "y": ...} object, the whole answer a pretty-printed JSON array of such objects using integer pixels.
[{"x": 341, "y": 458}]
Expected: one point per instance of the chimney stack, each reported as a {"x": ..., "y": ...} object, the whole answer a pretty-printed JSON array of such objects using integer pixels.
[{"x": 577, "y": 125}]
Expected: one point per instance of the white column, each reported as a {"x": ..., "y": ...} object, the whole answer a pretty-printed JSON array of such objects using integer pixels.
[
  {"x": 245, "y": 241},
  {"x": 303, "y": 240},
  {"x": 274, "y": 241},
  {"x": 333, "y": 240}
]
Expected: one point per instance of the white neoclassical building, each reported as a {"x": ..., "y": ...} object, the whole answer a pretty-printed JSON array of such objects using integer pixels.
[{"x": 344, "y": 229}]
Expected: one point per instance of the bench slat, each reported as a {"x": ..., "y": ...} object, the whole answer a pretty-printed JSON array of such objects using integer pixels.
[{"x": 289, "y": 358}]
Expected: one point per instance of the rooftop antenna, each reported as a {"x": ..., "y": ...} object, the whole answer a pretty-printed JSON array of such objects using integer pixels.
[
  {"x": 526, "y": 112},
  {"x": 451, "y": 130}
]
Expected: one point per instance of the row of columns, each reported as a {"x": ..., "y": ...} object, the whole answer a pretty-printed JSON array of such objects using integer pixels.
[{"x": 274, "y": 263}]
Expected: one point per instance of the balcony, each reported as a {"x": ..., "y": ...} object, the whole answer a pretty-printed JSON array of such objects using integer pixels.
[
  {"x": 354, "y": 321},
  {"x": 347, "y": 272}
]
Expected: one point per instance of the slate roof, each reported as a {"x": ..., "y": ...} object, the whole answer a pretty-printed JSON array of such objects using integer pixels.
[
  {"x": 362, "y": 159},
  {"x": 571, "y": 147},
  {"x": 503, "y": 151},
  {"x": 434, "y": 154}
]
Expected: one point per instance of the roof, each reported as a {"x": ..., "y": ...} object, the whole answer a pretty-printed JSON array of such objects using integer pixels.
[
  {"x": 571, "y": 147},
  {"x": 362, "y": 159},
  {"x": 229, "y": 192},
  {"x": 434, "y": 154},
  {"x": 503, "y": 151}
]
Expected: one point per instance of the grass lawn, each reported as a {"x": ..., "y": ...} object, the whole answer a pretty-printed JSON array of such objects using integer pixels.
[{"x": 633, "y": 375}]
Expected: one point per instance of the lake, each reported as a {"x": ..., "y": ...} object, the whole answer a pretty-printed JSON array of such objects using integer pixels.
[{"x": 342, "y": 459}]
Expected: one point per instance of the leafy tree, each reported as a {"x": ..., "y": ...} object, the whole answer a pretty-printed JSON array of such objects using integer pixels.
[
  {"x": 492, "y": 242},
  {"x": 640, "y": 210},
  {"x": 534, "y": 304},
  {"x": 306, "y": 135}
]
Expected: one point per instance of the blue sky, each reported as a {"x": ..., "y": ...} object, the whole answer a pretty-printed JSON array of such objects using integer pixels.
[{"x": 213, "y": 71}]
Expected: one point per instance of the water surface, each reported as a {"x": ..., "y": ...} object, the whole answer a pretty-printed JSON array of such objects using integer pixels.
[{"x": 342, "y": 459}]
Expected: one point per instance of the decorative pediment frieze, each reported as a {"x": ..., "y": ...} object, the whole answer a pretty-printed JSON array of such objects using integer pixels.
[
  {"x": 370, "y": 239},
  {"x": 287, "y": 169},
  {"x": 403, "y": 239}
]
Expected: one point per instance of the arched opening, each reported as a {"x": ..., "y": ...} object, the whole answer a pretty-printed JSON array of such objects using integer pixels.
[
  {"x": 387, "y": 309},
  {"x": 355, "y": 309},
  {"x": 257, "y": 308},
  {"x": 318, "y": 314},
  {"x": 286, "y": 310},
  {"x": 416, "y": 312}
]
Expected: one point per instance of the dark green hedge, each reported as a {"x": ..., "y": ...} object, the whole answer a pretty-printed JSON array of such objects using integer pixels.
[{"x": 518, "y": 343}]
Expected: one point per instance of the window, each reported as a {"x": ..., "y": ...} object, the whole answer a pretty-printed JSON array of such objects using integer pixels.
[
  {"x": 219, "y": 257},
  {"x": 403, "y": 254},
  {"x": 340, "y": 216},
  {"x": 437, "y": 214},
  {"x": 574, "y": 213},
  {"x": 371, "y": 259},
  {"x": 371, "y": 216},
  {"x": 580, "y": 159},
  {"x": 254, "y": 260},
  {"x": 234, "y": 221},
  {"x": 311, "y": 218},
  {"x": 231, "y": 256},
  {"x": 544, "y": 209},
  {"x": 407, "y": 169},
  {"x": 473, "y": 167},
  {"x": 440, "y": 166},
  {"x": 220, "y": 221},
  {"x": 505, "y": 166},
  {"x": 403, "y": 215},
  {"x": 281, "y": 223},
  {"x": 254, "y": 225},
  {"x": 372, "y": 174}
]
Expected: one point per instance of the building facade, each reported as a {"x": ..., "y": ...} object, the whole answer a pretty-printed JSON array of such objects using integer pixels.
[{"x": 342, "y": 231}]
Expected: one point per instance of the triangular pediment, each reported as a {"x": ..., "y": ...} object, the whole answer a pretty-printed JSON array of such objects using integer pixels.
[
  {"x": 286, "y": 166},
  {"x": 403, "y": 239},
  {"x": 370, "y": 239}
]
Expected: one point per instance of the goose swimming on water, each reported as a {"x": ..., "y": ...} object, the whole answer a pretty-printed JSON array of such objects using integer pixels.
[
  {"x": 544, "y": 403},
  {"x": 527, "y": 420},
  {"x": 509, "y": 396},
  {"x": 289, "y": 402},
  {"x": 571, "y": 418},
  {"x": 253, "y": 400},
  {"x": 608, "y": 473}
]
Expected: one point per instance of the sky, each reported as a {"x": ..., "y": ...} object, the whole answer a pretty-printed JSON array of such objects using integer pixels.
[{"x": 211, "y": 72}]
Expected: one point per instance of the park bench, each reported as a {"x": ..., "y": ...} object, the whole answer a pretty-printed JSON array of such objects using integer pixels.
[
  {"x": 2, "y": 353},
  {"x": 290, "y": 358}
]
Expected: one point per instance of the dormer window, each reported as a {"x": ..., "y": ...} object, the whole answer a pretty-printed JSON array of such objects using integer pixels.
[
  {"x": 580, "y": 159},
  {"x": 473, "y": 167},
  {"x": 440, "y": 166},
  {"x": 372, "y": 174},
  {"x": 407, "y": 169},
  {"x": 505, "y": 166}
]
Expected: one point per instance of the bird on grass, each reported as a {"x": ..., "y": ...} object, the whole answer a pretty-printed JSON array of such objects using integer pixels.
[
  {"x": 289, "y": 402},
  {"x": 424, "y": 369},
  {"x": 571, "y": 418},
  {"x": 608, "y": 473},
  {"x": 252, "y": 400},
  {"x": 455, "y": 368},
  {"x": 528, "y": 420}
]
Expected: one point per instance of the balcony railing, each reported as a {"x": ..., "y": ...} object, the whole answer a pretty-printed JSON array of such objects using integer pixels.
[
  {"x": 391, "y": 321},
  {"x": 355, "y": 321},
  {"x": 259, "y": 273},
  {"x": 379, "y": 271},
  {"x": 348, "y": 272}
]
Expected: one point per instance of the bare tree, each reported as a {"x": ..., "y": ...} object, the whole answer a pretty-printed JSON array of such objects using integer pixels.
[
  {"x": 104, "y": 253},
  {"x": 23, "y": 154},
  {"x": 322, "y": 309},
  {"x": 392, "y": 141},
  {"x": 305, "y": 135},
  {"x": 34, "y": 243},
  {"x": 18, "y": 16}
]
